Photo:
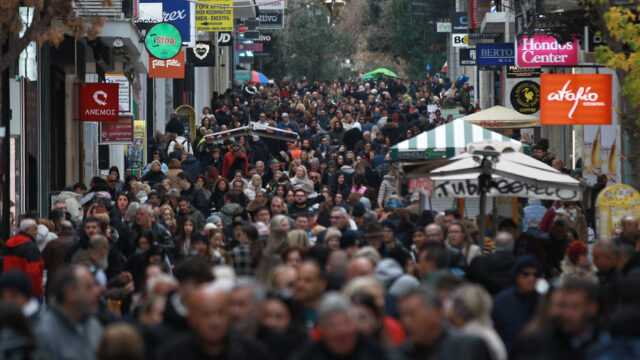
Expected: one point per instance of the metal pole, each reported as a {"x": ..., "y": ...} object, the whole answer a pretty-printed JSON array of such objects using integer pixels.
[
  {"x": 6, "y": 123},
  {"x": 483, "y": 211}
]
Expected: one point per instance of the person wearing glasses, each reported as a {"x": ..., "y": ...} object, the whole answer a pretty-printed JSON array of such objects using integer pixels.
[{"x": 513, "y": 308}]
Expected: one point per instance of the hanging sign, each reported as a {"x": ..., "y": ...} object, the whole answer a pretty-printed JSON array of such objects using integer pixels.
[
  {"x": 468, "y": 57},
  {"x": 163, "y": 41},
  {"x": 120, "y": 132},
  {"x": 503, "y": 187},
  {"x": 214, "y": 15},
  {"x": 494, "y": 54},
  {"x": 525, "y": 97},
  {"x": 544, "y": 50},
  {"x": 459, "y": 40},
  {"x": 99, "y": 102},
  {"x": 568, "y": 99},
  {"x": 167, "y": 69},
  {"x": 203, "y": 54},
  {"x": 124, "y": 90}
]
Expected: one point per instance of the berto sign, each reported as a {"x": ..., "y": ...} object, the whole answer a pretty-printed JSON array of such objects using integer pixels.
[
  {"x": 99, "y": 102},
  {"x": 163, "y": 41},
  {"x": 575, "y": 99},
  {"x": 541, "y": 50}
]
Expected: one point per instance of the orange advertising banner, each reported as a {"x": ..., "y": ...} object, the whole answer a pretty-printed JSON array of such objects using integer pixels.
[
  {"x": 168, "y": 69},
  {"x": 567, "y": 99}
]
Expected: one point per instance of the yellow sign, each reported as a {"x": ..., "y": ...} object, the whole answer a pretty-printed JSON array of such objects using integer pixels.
[
  {"x": 218, "y": 17},
  {"x": 136, "y": 153},
  {"x": 612, "y": 204}
]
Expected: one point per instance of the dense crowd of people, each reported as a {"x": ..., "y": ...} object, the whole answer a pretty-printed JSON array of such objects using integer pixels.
[{"x": 260, "y": 248}]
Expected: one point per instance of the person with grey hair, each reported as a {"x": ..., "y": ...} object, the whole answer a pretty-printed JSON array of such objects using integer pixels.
[
  {"x": 496, "y": 270},
  {"x": 21, "y": 253},
  {"x": 428, "y": 338},
  {"x": 337, "y": 320},
  {"x": 145, "y": 220},
  {"x": 247, "y": 297}
]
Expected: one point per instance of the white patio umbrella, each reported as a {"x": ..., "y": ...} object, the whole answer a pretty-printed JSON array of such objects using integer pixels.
[
  {"x": 499, "y": 117},
  {"x": 490, "y": 173}
]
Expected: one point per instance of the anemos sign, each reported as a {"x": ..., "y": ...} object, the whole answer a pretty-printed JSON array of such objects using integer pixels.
[
  {"x": 567, "y": 99},
  {"x": 542, "y": 50},
  {"x": 99, "y": 102}
]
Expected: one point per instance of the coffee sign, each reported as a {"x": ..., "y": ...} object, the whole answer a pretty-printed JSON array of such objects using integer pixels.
[
  {"x": 203, "y": 54},
  {"x": 575, "y": 99},
  {"x": 99, "y": 102},
  {"x": 163, "y": 41},
  {"x": 544, "y": 50}
]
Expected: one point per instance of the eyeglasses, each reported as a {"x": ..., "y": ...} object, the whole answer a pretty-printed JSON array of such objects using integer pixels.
[
  {"x": 530, "y": 273},
  {"x": 336, "y": 217}
]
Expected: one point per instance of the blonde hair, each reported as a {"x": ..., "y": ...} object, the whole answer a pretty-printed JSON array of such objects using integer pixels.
[
  {"x": 472, "y": 302},
  {"x": 298, "y": 237}
]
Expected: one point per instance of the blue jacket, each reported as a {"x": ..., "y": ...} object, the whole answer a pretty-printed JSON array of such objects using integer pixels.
[
  {"x": 511, "y": 312},
  {"x": 535, "y": 210}
]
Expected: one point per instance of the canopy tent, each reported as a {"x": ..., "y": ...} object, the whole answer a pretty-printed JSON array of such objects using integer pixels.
[
  {"x": 258, "y": 78},
  {"x": 378, "y": 73},
  {"x": 499, "y": 117},
  {"x": 446, "y": 141}
]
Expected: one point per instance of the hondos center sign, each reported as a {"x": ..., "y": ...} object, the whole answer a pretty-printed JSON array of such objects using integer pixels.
[{"x": 544, "y": 50}]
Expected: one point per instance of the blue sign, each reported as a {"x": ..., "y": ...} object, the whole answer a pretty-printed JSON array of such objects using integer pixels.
[
  {"x": 179, "y": 13},
  {"x": 495, "y": 54},
  {"x": 429, "y": 67}
]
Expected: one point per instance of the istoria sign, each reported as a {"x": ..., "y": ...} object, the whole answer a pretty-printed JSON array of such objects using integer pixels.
[
  {"x": 567, "y": 99},
  {"x": 99, "y": 102},
  {"x": 544, "y": 50}
]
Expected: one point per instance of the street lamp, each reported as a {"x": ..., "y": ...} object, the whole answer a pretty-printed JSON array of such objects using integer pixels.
[{"x": 334, "y": 7}]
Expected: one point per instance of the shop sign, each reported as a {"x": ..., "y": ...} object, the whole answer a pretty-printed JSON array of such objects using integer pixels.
[
  {"x": 249, "y": 47},
  {"x": 179, "y": 13},
  {"x": 525, "y": 97},
  {"x": 270, "y": 4},
  {"x": 516, "y": 72},
  {"x": 468, "y": 57},
  {"x": 120, "y": 132},
  {"x": 544, "y": 50},
  {"x": 271, "y": 19},
  {"x": 568, "y": 99},
  {"x": 460, "y": 22},
  {"x": 136, "y": 153},
  {"x": 99, "y": 102},
  {"x": 459, "y": 40},
  {"x": 494, "y": 54},
  {"x": 167, "y": 69},
  {"x": 241, "y": 76},
  {"x": 203, "y": 54},
  {"x": 124, "y": 90},
  {"x": 443, "y": 27},
  {"x": 163, "y": 41},
  {"x": 225, "y": 39}
]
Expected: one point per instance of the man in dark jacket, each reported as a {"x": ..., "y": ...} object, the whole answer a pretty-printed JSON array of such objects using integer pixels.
[
  {"x": 337, "y": 319},
  {"x": 174, "y": 125},
  {"x": 571, "y": 334},
  {"x": 556, "y": 247},
  {"x": 514, "y": 308},
  {"x": 144, "y": 222},
  {"x": 192, "y": 165},
  {"x": 21, "y": 253},
  {"x": 209, "y": 318},
  {"x": 428, "y": 338},
  {"x": 195, "y": 195}
]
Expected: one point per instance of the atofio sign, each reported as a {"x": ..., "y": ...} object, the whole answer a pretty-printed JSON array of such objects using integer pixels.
[
  {"x": 99, "y": 102},
  {"x": 544, "y": 50},
  {"x": 567, "y": 99},
  {"x": 163, "y": 41}
]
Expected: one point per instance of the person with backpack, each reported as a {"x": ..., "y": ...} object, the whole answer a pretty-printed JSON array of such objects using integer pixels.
[{"x": 187, "y": 147}]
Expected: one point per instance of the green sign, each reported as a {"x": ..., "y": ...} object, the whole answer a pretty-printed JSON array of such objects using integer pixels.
[
  {"x": 163, "y": 41},
  {"x": 242, "y": 76}
]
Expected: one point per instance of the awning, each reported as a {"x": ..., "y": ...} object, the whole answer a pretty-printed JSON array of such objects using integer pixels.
[
  {"x": 499, "y": 117},
  {"x": 445, "y": 141}
]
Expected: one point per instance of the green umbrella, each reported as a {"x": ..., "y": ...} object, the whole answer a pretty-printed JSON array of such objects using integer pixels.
[{"x": 378, "y": 73}]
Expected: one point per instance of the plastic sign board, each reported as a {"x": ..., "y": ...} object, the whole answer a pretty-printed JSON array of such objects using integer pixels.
[
  {"x": 544, "y": 50},
  {"x": 214, "y": 18},
  {"x": 203, "y": 54},
  {"x": 467, "y": 57},
  {"x": 271, "y": 19},
  {"x": 99, "y": 102},
  {"x": 120, "y": 132},
  {"x": 225, "y": 39},
  {"x": 167, "y": 68},
  {"x": 270, "y": 4},
  {"x": 179, "y": 13},
  {"x": 443, "y": 27},
  {"x": 494, "y": 54},
  {"x": 459, "y": 40},
  {"x": 567, "y": 99},
  {"x": 249, "y": 47},
  {"x": 163, "y": 41},
  {"x": 613, "y": 204},
  {"x": 460, "y": 22},
  {"x": 125, "y": 90},
  {"x": 525, "y": 97}
]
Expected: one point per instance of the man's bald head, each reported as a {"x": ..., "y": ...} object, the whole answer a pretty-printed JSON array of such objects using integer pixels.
[
  {"x": 434, "y": 233},
  {"x": 359, "y": 266},
  {"x": 209, "y": 314}
]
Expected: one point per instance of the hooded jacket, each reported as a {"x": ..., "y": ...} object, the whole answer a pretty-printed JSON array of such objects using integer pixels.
[
  {"x": 21, "y": 253},
  {"x": 391, "y": 275},
  {"x": 227, "y": 212},
  {"x": 388, "y": 188}
]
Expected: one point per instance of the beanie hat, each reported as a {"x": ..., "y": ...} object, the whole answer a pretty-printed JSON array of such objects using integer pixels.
[
  {"x": 16, "y": 281},
  {"x": 527, "y": 261},
  {"x": 575, "y": 249}
]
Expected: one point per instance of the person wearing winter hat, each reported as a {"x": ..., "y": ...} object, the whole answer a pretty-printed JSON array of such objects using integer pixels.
[{"x": 513, "y": 308}]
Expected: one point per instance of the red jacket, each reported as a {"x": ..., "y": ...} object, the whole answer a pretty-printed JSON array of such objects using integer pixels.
[
  {"x": 21, "y": 253},
  {"x": 228, "y": 160}
]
